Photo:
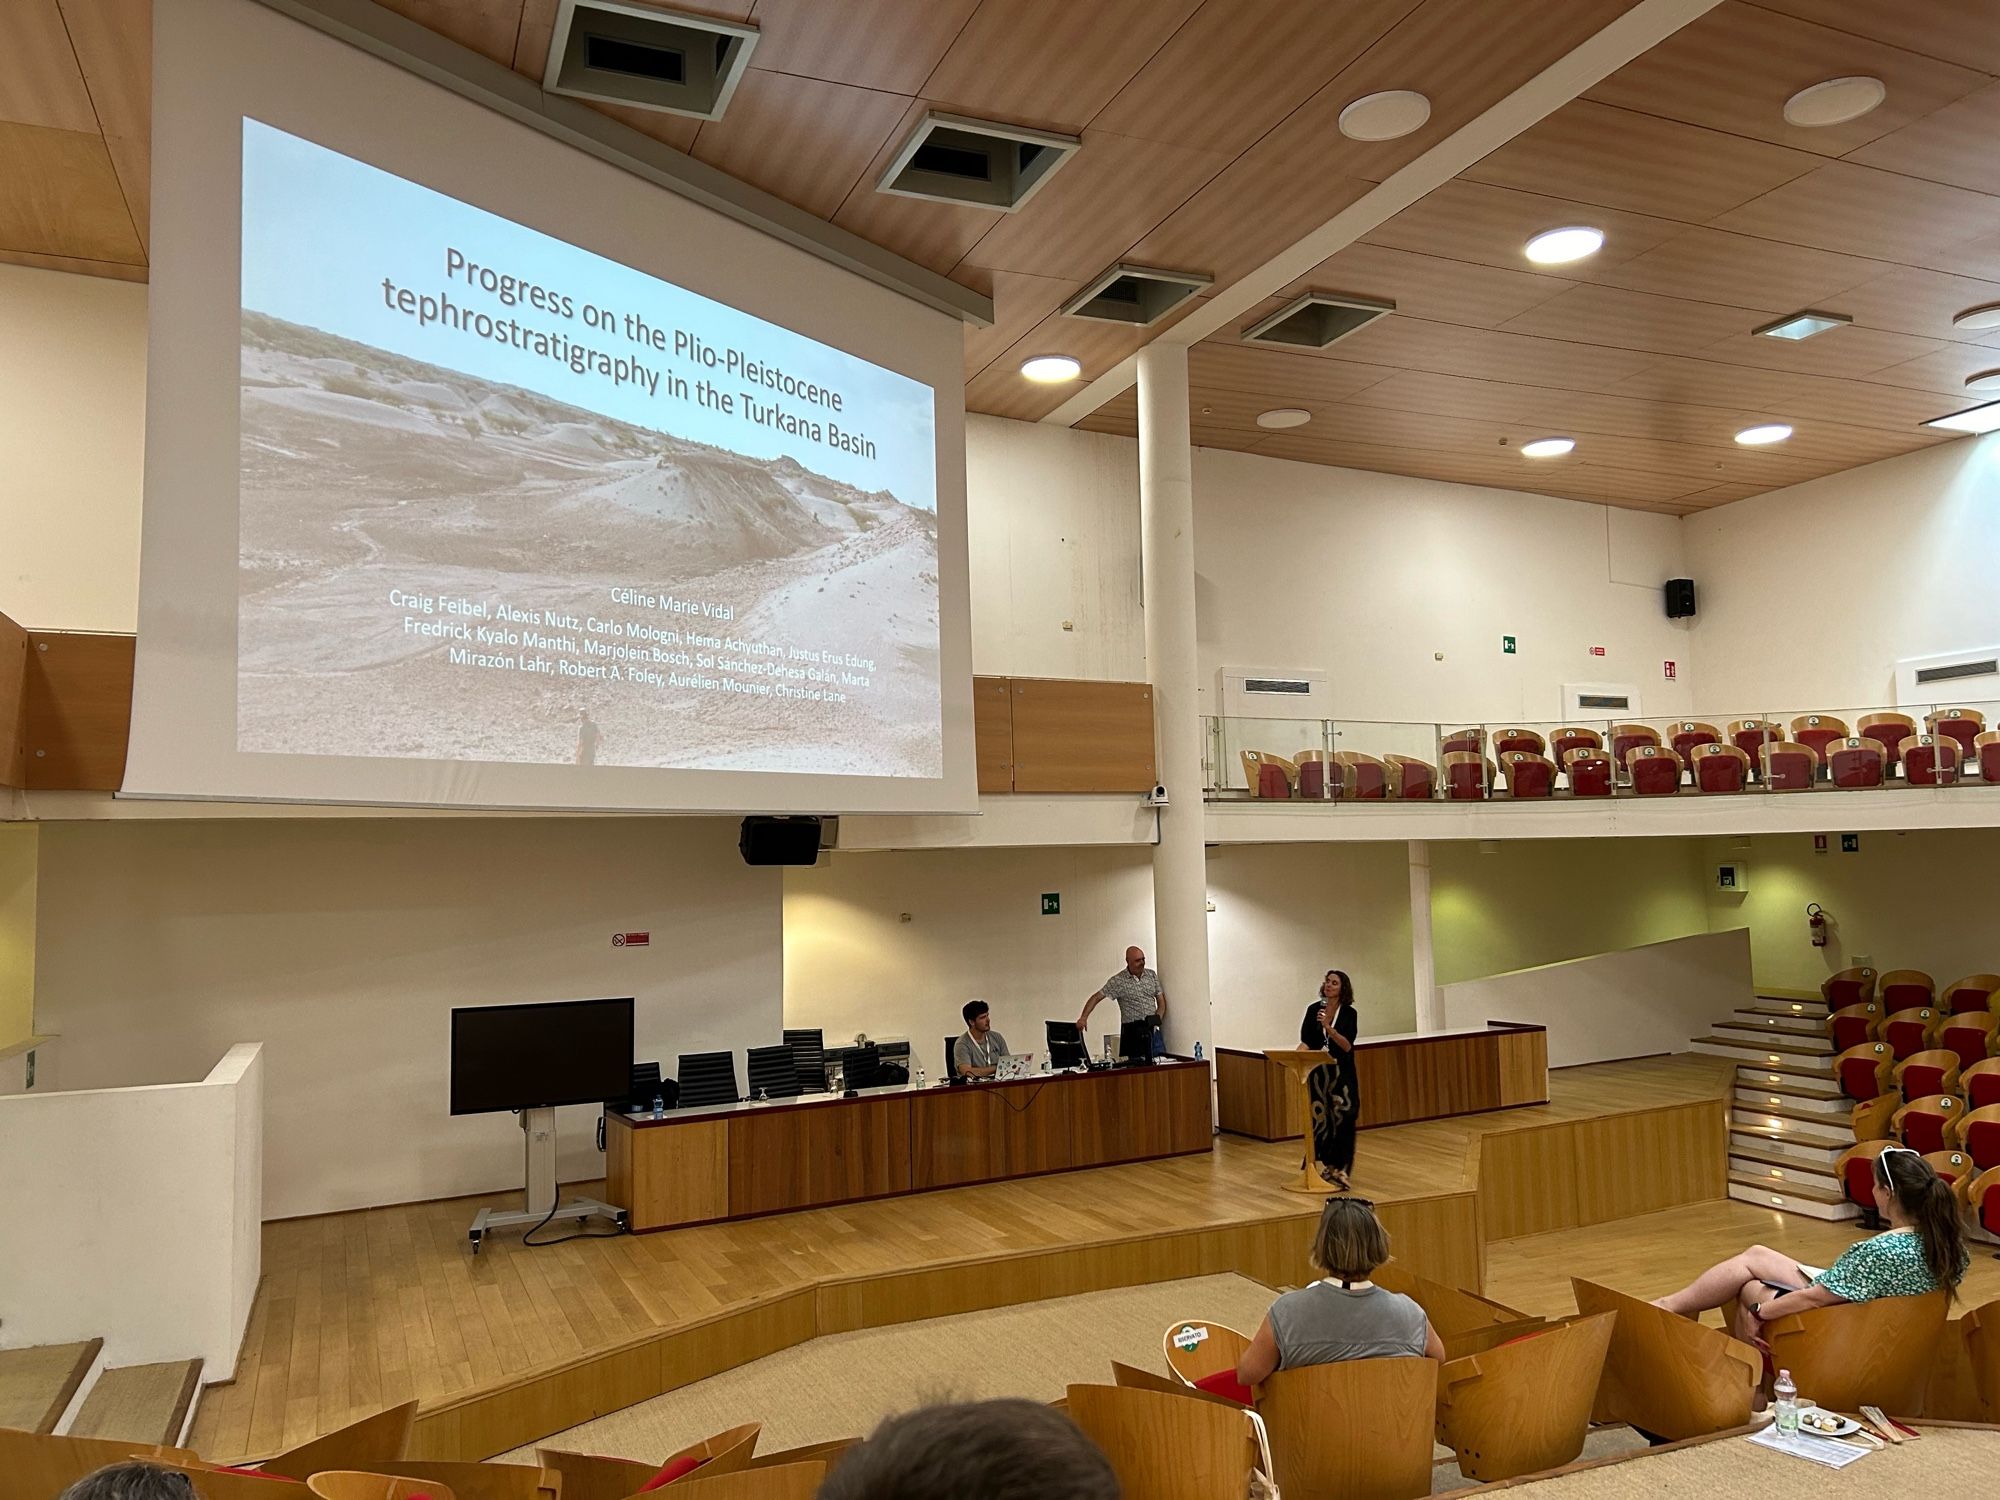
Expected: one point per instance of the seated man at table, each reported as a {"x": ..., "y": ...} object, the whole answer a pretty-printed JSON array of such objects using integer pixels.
[{"x": 978, "y": 1052}]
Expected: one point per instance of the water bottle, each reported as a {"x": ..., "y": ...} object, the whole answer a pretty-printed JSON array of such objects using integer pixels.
[
  {"x": 659, "y": 1107},
  {"x": 1045, "y": 1062},
  {"x": 1107, "y": 1051},
  {"x": 1197, "y": 1051},
  {"x": 1785, "y": 1404},
  {"x": 922, "y": 1079}
]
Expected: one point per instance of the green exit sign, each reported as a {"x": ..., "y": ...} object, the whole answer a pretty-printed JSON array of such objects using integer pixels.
[
  {"x": 1051, "y": 903},
  {"x": 1506, "y": 645}
]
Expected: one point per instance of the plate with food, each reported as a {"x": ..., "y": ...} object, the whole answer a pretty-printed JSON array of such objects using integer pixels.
[{"x": 1816, "y": 1423}]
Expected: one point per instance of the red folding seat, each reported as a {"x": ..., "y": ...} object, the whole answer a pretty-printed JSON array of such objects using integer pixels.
[
  {"x": 1908, "y": 1032},
  {"x": 1856, "y": 1169},
  {"x": 1849, "y": 987},
  {"x": 1887, "y": 730},
  {"x": 1528, "y": 774},
  {"x": 1864, "y": 1072},
  {"x": 1969, "y": 1036},
  {"x": 1410, "y": 779},
  {"x": 1516, "y": 739},
  {"x": 1955, "y": 1167},
  {"x": 1589, "y": 772},
  {"x": 1572, "y": 737},
  {"x": 1852, "y": 1025},
  {"x": 1362, "y": 778},
  {"x": 1986, "y": 755},
  {"x": 1625, "y": 738},
  {"x": 1932, "y": 1071},
  {"x": 1654, "y": 770},
  {"x": 1314, "y": 784},
  {"x": 1817, "y": 731},
  {"x": 1974, "y": 992},
  {"x": 1962, "y": 726},
  {"x": 1981, "y": 1083},
  {"x": 1471, "y": 741},
  {"x": 1930, "y": 1124},
  {"x": 1899, "y": 989},
  {"x": 1268, "y": 775},
  {"x": 1854, "y": 763},
  {"x": 1983, "y": 1198},
  {"x": 1688, "y": 733},
  {"x": 1720, "y": 768},
  {"x": 1930, "y": 760},
  {"x": 1752, "y": 735},
  {"x": 1467, "y": 776},
  {"x": 1787, "y": 766},
  {"x": 1979, "y": 1134}
]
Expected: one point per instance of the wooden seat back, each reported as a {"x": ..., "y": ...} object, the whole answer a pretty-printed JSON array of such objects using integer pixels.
[
  {"x": 1982, "y": 1197},
  {"x": 1410, "y": 779},
  {"x": 1167, "y": 1446},
  {"x": 585, "y": 1476},
  {"x": 1855, "y": 1025},
  {"x": 352, "y": 1484},
  {"x": 1469, "y": 741},
  {"x": 1871, "y": 1119},
  {"x": 1468, "y": 775},
  {"x": 1719, "y": 768},
  {"x": 797, "y": 1481},
  {"x": 1573, "y": 737},
  {"x": 723, "y": 1453},
  {"x": 488, "y": 1481},
  {"x": 1931, "y": 1071},
  {"x": 1981, "y": 1082},
  {"x": 1525, "y": 1405},
  {"x": 1135, "y": 1379},
  {"x": 1862, "y": 1353},
  {"x": 1254, "y": 762},
  {"x": 211, "y": 1483},
  {"x": 1898, "y": 989},
  {"x": 1947, "y": 1109},
  {"x": 1974, "y": 992},
  {"x": 1666, "y": 1374},
  {"x": 1888, "y": 730},
  {"x": 1466, "y": 1322},
  {"x": 1362, "y": 777},
  {"x": 36, "y": 1464},
  {"x": 1911, "y": 1030},
  {"x": 1653, "y": 770},
  {"x": 1196, "y": 1349},
  {"x": 1518, "y": 738},
  {"x": 1979, "y": 1135},
  {"x": 1930, "y": 760},
  {"x": 1787, "y": 765},
  {"x": 1971, "y": 1036},
  {"x": 381, "y": 1437},
  {"x": 1874, "y": 1059},
  {"x": 1980, "y": 1329},
  {"x": 1529, "y": 774},
  {"x": 1362, "y": 1428}
]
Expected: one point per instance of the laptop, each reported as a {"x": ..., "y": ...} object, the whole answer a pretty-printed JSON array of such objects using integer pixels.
[{"x": 1014, "y": 1065}]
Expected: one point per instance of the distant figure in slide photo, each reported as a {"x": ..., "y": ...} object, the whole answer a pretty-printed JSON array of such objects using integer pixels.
[
  {"x": 1142, "y": 1005},
  {"x": 587, "y": 736}
]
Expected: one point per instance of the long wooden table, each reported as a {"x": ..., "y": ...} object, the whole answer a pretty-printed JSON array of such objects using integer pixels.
[
  {"x": 696, "y": 1166},
  {"x": 1404, "y": 1078}
]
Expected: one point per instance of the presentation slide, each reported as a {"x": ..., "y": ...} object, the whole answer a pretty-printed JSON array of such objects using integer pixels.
[{"x": 502, "y": 499}]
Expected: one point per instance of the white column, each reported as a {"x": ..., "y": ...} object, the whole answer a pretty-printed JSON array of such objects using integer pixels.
[
  {"x": 1423, "y": 965},
  {"x": 1166, "y": 525}
]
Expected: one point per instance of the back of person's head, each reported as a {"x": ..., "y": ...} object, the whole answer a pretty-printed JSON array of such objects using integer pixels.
[
  {"x": 1932, "y": 1209},
  {"x": 972, "y": 1010},
  {"x": 1350, "y": 1241},
  {"x": 974, "y": 1450},
  {"x": 134, "y": 1481}
]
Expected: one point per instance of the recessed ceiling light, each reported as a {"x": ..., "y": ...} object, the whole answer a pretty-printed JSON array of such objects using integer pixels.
[
  {"x": 1558, "y": 247},
  {"x": 1284, "y": 416},
  {"x": 1385, "y": 116},
  {"x": 1834, "y": 102},
  {"x": 1769, "y": 432},
  {"x": 1979, "y": 419},
  {"x": 1549, "y": 447},
  {"x": 1985, "y": 380},
  {"x": 1978, "y": 319},
  {"x": 1803, "y": 325},
  {"x": 1051, "y": 369}
]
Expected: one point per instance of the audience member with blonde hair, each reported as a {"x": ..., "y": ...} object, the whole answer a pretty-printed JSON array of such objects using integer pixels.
[{"x": 1344, "y": 1315}]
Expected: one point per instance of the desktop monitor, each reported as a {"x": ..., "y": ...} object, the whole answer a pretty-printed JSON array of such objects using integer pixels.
[
  {"x": 1067, "y": 1048},
  {"x": 536, "y": 1056}
]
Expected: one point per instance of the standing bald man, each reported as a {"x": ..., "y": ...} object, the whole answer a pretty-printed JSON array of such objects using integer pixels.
[{"x": 1142, "y": 1005}]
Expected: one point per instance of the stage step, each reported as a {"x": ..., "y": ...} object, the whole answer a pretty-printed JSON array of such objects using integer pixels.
[
  {"x": 1785, "y": 1144},
  {"x": 1801, "y": 1125},
  {"x": 38, "y": 1383},
  {"x": 1792, "y": 1201},
  {"x": 1780, "y": 1023},
  {"x": 145, "y": 1404},
  {"x": 1795, "y": 1089},
  {"x": 1814, "y": 1011},
  {"x": 1782, "y": 1170},
  {"x": 1783, "y": 1033},
  {"x": 1799, "y": 1052},
  {"x": 1816, "y": 1004},
  {"x": 1758, "y": 1074}
]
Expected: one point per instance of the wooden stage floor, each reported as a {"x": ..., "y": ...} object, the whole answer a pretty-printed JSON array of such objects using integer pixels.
[{"x": 361, "y": 1310}]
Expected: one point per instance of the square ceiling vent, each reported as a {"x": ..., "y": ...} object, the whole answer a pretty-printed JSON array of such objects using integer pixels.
[
  {"x": 1134, "y": 294},
  {"x": 1316, "y": 320},
  {"x": 950, "y": 159},
  {"x": 650, "y": 59}
]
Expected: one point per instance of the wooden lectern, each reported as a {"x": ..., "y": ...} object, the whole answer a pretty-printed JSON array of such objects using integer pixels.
[{"x": 1298, "y": 1065}]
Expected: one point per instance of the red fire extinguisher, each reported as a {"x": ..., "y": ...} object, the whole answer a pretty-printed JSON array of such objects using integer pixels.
[{"x": 1816, "y": 924}]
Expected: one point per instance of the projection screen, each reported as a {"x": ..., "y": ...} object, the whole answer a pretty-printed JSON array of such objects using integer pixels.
[{"x": 480, "y": 472}]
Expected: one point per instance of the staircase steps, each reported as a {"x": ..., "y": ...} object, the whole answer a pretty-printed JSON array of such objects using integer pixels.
[
  {"x": 1794, "y": 1088},
  {"x": 1796, "y": 1030},
  {"x": 1786, "y": 1144},
  {"x": 1795, "y": 1170},
  {"x": 1797, "y": 1010},
  {"x": 1757, "y": 1074},
  {"x": 145, "y": 1404},
  {"x": 1800, "y": 1124},
  {"x": 1812, "y": 1202},
  {"x": 37, "y": 1384},
  {"x": 1753, "y": 1039}
]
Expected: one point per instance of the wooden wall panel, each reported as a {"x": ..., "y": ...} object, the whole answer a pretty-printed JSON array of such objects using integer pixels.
[
  {"x": 1190, "y": 1112},
  {"x": 858, "y": 1153},
  {"x": 993, "y": 733},
  {"x": 1427, "y": 1080},
  {"x": 13, "y": 703},
  {"x": 986, "y": 1132},
  {"x": 1244, "y": 1094},
  {"x": 1435, "y": 1237},
  {"x": 1082, "y": 736},
  {"x": 680, "y": 1175},
  {"x": 1527, "y": 1181},
  {"x": 768, "y": 1162},
  {"x": 78, "y": 710},
  {"x": 1524, "y": 1067},
  {"x": 1641, "y": 1163}
]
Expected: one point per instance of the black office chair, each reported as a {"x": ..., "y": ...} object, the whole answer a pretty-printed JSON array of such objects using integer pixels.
[
  {"x": 774, "y": 1073},
  {"x": 809, "y": 1056},
  {"x": 951, "y": 1057},
  {"x": 862, "y": 1065},
  {"x": 647, "y": 1085},
  {"x": 708, "y": 1078},
  {"x": 1066, "y": 1045}
]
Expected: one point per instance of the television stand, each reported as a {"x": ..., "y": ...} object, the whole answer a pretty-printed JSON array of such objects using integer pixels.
[{"x": 538, "y": 1129}]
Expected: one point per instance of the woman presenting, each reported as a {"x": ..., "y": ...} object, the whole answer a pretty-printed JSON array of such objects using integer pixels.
[{"x": 1329, "y": 1027}]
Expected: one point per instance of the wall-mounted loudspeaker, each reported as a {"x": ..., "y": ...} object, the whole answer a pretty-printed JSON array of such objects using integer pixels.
[
  {"x": 780, "y": 841},
  {"x": 1680, "y": 598}
]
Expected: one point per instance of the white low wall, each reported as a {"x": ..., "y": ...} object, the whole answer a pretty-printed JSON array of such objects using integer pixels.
[
  {"x": 133, "y": 1215},
  {"x": 1632, "y": 1003}
]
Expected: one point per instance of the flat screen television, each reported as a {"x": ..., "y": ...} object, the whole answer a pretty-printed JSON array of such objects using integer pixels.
[{"x": 536, "y": 1056}]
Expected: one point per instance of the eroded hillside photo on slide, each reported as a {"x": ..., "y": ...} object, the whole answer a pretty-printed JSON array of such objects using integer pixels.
[{"x": 436, "y": 566}]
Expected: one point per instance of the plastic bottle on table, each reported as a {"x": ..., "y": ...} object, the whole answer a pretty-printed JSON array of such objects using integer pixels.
[
  {"x": 922, "y": 1079},
  {"x": 659, "y": 1107},
  {"x": 1785, "y": 1404}
]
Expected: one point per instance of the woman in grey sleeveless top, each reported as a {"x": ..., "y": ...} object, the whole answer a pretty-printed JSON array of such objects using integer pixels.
[{"x": 1345, "y": 1315}]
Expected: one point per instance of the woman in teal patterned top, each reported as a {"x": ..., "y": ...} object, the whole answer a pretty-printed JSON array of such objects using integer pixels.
[{"x": 1922, "y": 1250}]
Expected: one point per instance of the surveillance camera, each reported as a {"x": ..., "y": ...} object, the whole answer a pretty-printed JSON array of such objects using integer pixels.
[{"x": 1157, "y": 797}]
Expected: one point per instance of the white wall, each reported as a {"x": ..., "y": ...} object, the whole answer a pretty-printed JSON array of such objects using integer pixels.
[
  {"x": 134, "y": 1215},
  {"x": 1810, "y": 595},
  {"x": 344, "y": 944},
  {"x": 1631, "y": 1003},
  {"x": 72, "y": 429}
]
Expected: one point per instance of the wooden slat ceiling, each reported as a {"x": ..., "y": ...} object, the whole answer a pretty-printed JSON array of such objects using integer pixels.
[
  {"x": 1720, "y": 217},
  {"x": 1211, "y": 145}
]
